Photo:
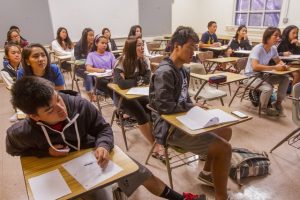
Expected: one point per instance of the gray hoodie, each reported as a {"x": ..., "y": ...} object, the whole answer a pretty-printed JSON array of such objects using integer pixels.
[{"x": 85, "y": 128}]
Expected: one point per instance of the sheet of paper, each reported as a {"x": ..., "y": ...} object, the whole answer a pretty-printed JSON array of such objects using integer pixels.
[
  {"x": 290, "y": 57},
  {"x": 139, "y": 91},
  {"x": 198, "y": 118},
  {"x": 108, "y": 72},
  {"x": 243, "y": 51},
  {"x": 49, "y": 186},
  {"x": 88, "y": 173}
]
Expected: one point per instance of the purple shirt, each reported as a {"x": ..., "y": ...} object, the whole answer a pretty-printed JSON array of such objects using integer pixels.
[{"x": 101, "y": 61}]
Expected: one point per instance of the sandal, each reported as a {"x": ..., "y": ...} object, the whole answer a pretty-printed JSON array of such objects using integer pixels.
[{"x": 160, "y": 157}]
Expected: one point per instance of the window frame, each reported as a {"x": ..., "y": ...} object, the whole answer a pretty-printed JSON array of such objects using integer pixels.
[{"x": 249, "y": 11}]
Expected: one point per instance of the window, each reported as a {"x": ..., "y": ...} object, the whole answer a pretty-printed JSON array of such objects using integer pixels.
[{"x": 257, "y": 13}]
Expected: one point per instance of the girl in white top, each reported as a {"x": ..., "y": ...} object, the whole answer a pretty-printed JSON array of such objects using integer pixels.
[{"x": 62, "y": 45}]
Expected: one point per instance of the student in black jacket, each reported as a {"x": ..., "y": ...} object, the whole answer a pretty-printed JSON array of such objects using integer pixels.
[
  {"x": 289, "y": 45},
  {"x": 58, "y": 123},
  {"x": 111, "y": 45},
  {"x": 132, "y": 70},
  {"x": 240, "y": 41}
]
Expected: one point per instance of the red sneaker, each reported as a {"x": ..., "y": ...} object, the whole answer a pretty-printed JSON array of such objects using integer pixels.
[{"x": 190, "y": 196}]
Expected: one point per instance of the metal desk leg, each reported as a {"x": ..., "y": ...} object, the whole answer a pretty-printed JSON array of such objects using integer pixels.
[{"x": 196, "y": 95}]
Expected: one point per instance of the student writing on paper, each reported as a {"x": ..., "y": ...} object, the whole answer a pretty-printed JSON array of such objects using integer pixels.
[
  {"x": 63, "y": 46},
  {"x": 133, "y": 69},
  {"x": 99, "y": 60},
  {"x": 36, "y": 62},
  {"x": 169, "y": 94},
  {"x": 289, "y": 46},
  {"x": 54, "y": 114},
  {"x": 258, "y": 61}
]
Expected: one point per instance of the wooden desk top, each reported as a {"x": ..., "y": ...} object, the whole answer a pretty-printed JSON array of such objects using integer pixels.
[
  {"x": 121, "y": 92},
  {"x": 223, "y": 60},
  {"x": 157, "y": 49},
  {"x": 171, "y": 119},
  {"x": 117, "y": 51},
  {"x": 68, "y": 57},
  {"x": 290, "y": 70},
  {"x": 221, "y": 48},
  {"x": 33, "y": 166},
  {"x": 162, "y": 39},
  {"x": 77, "y": 62},
  {"x": 231, "y": 77}
]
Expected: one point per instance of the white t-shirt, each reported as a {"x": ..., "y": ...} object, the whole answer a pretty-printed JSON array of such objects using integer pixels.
[{"x": 260, "y": 54}]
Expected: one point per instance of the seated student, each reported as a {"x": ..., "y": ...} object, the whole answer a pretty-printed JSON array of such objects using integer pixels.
[
  {"x": 80, "y": 126},
  {"x": 82, "y": 48},
  {"x": 136, "y": 30},
  {"x": 131, "y": 70},
  {"x": 13, "y": 55},
  {"x": 240, "y": 41},
  {"x": 13, "y": 36},
  {"x": 18, "y": 29},
  {"x": 288, "y": 46},
  {"x": 169, "y": 94},
  {"x": 36, "y": 62},
  {"x": 111, "y": 45},
  {"x": 99, "y": 60},
  {"x": 258, "y": 61},
  {"x": 63, "y": 46},
  {"x": 209, "y": 38}
]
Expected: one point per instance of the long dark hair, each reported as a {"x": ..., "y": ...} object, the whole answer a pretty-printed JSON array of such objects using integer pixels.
[
  {"x": 105, "y": 29},
  {"x": 83, "y": 41},
  {"x": 8, "y": 38},
  {"x": 286, "y": 32},
  {"x": 27, "y": 67},
  {"x": 238, "y": 30},
  {"x": 67, "y": 40},
  {"x": 96, "y": 40},
  {"x": 130, "y": 59},
  {"x": 133, "y": 29},
  {"x": 8, "y": 46},
  {"x": 269, "y": 32}
]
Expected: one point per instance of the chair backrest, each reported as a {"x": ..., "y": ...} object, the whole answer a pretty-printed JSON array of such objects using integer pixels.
[
  {"x": 157, "y": 59},
  {"x": 241, "y": 64},
  {"x": 196, "y": 68},
  {"x": 296, "y": 104},
  {"x": 152, "y": 45},
  {"x": 209, "y": 55}
]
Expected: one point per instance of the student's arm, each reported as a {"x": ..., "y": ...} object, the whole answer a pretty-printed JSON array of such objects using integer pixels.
[
  {"x": 147, "y": 75},
  {"x": 77, "y": 52},
  {"x": 98, "y": 127},
  {"x": 247, "y": 45},
  {"x": 164, "y": 90},
  {"x": 20, "y": 73},
  {"x": 59, "y": 81},
  {"x": 280, "y": 66},
  {"x": 19, "y": 145},
  {"x": 113, "y": 45},
  {"x": 120, "y": 80},
  {"x": 59, "y": 50},
  {"x": 9, "y": 81}
]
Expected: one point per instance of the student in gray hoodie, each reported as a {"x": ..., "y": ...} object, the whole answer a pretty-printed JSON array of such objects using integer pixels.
[{"x": 58, "y": 121}]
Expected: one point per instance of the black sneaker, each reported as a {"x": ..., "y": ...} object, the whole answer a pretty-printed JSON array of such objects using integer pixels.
[{"x": 206, "y": 179}]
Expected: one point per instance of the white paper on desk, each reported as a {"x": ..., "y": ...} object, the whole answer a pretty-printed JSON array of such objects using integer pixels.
[
  {"x": 198, "y": 118},
  {"x": 87, "y": 172},
  {"x": 290, "y": 57},
  {"x": 243, "y": 51},
  {"x": 139, "y": 91},
  {"x": 49, "y": 186},
  {"x": 107, "y": 72}
]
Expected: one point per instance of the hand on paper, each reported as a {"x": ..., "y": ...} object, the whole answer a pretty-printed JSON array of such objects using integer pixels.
[
  {"x": 61, "y": 150},
  {"x": 102, "y": 156}
]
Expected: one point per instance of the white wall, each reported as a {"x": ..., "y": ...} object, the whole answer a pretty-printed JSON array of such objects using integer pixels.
[
  {"x": 197, "y": 13},
  {"x": 75, "y": 15}
]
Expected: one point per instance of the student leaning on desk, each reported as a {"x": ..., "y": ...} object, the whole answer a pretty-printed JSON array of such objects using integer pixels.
[
  {"x": 59, "y": 123},
  {"x": 258, "y": 61},
  {"x": 168, "y": 94}
]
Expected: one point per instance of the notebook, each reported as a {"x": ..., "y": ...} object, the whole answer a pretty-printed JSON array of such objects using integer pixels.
[
  {"x": 198, "y": 118},
  {"x": 138, "y": 91}
]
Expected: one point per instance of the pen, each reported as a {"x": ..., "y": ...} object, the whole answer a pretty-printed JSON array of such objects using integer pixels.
[{"x": 88, "y": 163}]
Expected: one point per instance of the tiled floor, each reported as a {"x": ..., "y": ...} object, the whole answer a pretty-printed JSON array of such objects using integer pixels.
[{"x": 259, "y": 133}]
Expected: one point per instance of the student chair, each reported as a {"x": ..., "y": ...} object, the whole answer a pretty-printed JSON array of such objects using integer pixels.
[
  {"x": 293, "y": 139},
  {"x": 203, "y": 56},
  {"x": 175, "y": 156},
  {"x": 154, "y": 62},
  {"x": 154, "y": 47},
  {"x": 207, "y": 93}
]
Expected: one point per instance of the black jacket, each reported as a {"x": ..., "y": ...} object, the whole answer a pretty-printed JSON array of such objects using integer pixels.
[
  {"x": 287, "y": 46},
  {"x": 164, "y": 92},
  {"x": 243, "y": 45},
  {"x": 26, "y": 138},
  {"x": 113, "y": 46}
]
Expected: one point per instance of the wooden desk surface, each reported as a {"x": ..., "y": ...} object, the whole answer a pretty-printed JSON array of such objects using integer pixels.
[
  {"x": 221, "y": 48},
  {"x": 33, "y": 166},
  {"x": 117, "y": 51},
  {"x": 223, "y": 60},
  {"x": 231, "y": 77},
  {"x": 68, "y": 57},
  {"x": 162, "y": 39},
  {"x": 157, "y": 49},
  {"x": 77, "y": 62},
  {"x": 290, "y": 70},
  {"x": 121, "y": 92},
  {"x": 171, "y": 119}
]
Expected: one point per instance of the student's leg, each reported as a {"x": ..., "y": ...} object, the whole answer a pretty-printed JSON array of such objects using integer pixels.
[
  {"x": 266, "y": 92},
  {"x": 102, "y": 85},
  {"x": 296, "y": 77},
  {"x": 283, "y": 82},
  {"x": 88, "y": 84},
  {"x": 218, "y": 152}
]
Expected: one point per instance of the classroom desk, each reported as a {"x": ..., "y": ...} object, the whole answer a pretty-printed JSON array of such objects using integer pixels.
[
  {"x": 231, "y": 77},
  {"x": 123, "y": 95},
  {"x": 75, "y": 64},
  {"x": 221, "y": 48},
  {"x": 61, "y": 59},
  {"x": 219, "y": 61},
  {"x": 171, "y": 119},
  {"x": 242, "y": 52},
  {"x": 115, "y": 52},
  {"x": 33, "y": 166},
  {"x": 290, "y": 58}
]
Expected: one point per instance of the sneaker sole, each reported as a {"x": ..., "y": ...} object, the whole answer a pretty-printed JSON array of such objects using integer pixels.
[{"x": 206, "y": 182}]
